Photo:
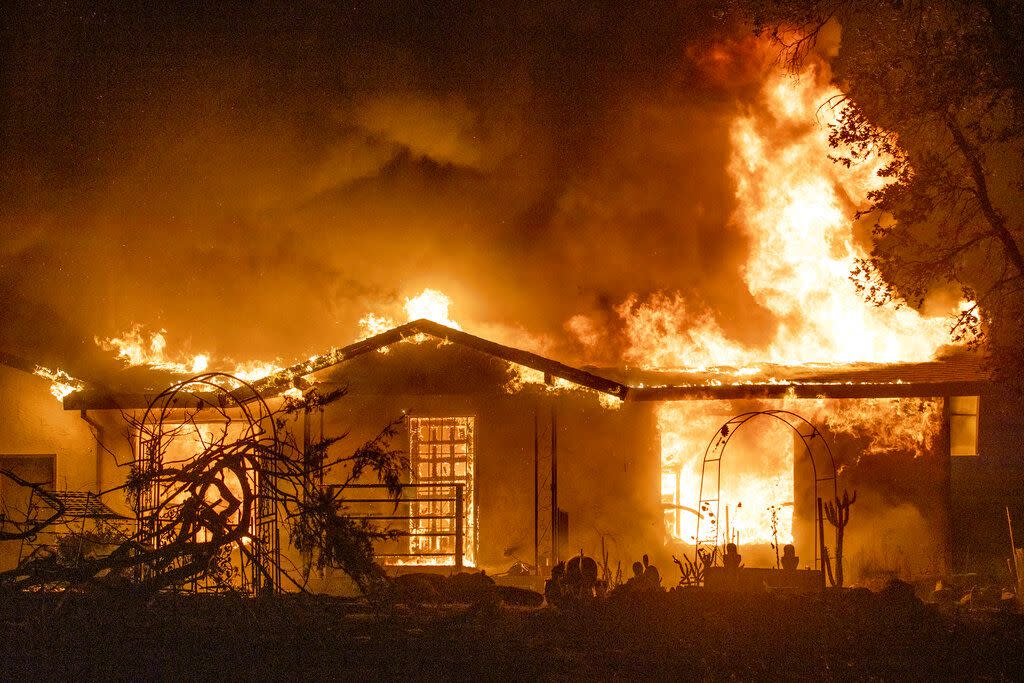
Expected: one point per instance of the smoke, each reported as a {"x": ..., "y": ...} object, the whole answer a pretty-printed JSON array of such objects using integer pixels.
[{"x": 256, "y": 182}]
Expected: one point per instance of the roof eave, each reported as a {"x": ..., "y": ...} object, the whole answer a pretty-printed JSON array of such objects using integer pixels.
[{"x": 809, "y": 390}]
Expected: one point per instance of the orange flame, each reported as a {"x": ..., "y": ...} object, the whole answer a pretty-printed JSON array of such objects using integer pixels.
[
  {"x": 432, "y": 305},
  {"x": 796, "y": 207},
  {"x": 137, "y": 348},
  {"x": 61, "y": 383}
]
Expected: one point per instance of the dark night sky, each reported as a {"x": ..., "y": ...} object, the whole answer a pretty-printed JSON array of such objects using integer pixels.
[{"x": 257, "y": 181}]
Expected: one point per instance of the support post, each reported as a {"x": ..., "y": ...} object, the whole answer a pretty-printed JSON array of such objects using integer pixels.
[
  {"x": 1013, "y": 551},
  {"x": 536, "y": 496},
  {"x": 554, "y": 486},
  {"x": 459, "y": 506}
]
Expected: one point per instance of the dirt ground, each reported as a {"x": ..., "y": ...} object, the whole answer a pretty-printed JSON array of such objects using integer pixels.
[{"x": 680, "y": 635}]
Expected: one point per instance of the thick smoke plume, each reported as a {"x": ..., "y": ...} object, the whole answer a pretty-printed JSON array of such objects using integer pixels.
[{"x": 255, "y": 183}]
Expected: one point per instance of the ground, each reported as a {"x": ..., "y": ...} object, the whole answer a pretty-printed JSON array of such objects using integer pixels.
[{"x": 688, "y": 634}]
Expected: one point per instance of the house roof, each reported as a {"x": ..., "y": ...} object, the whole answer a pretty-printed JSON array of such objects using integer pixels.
[
  {"x": 961, "y": 373},
  {"x": 957, "y": 373},
  {"x": 281, "y": 381},
  {"x": 16, "y": 362}
]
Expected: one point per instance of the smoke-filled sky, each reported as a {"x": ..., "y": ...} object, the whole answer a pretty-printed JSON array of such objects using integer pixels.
[{"x": 256, "y": 181}]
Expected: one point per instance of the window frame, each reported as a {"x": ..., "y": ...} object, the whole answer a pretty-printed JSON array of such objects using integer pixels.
[
  {"x": 469, "y": 480},
  {"x": 952, "y": 414}
]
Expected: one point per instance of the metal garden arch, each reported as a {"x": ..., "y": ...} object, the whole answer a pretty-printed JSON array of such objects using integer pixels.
[{"x": 816, "y": 447}]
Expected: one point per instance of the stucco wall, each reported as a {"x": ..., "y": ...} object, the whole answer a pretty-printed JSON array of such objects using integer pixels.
[
  {"x": 607, "y": 469},
  {"x": 33, "y": 422}
]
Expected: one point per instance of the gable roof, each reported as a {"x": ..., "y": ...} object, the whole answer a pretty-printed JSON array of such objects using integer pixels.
[
  {"x": 283, "y": 380},
  {"x": 961, "y": 373}
]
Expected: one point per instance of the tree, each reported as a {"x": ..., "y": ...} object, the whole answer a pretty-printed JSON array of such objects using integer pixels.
[{"x": 935, "y": 88}]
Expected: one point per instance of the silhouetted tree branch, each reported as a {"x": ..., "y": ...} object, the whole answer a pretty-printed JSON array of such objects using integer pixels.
[{"x": 199, "y": 503}]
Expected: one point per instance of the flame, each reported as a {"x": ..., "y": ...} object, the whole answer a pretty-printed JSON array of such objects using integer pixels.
[
  {"x": 757, "y": 471},
  {"x": 432, "y": 305},
  {"x": 910, "y": 425},
  {"x": 137, "y": 348},
  {"x": 62, "y": 384},
  {"x": 252, "y": 371},
  {"x": 426, "y": 561},
  {"x": 294, "y": 393},
  {"x": 756, "y": 481},
  {"x": 795, "y": 206},
  {"x": 662, "y": 333},
  {"x": 371, "y": 324}
]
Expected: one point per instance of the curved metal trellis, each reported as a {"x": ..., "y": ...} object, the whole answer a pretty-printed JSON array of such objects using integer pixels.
[
  {"x": 816, "y": 448},
  {"x": 260, "y": 560}
]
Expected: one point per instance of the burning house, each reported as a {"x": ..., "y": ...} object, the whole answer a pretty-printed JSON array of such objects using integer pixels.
[
  {"x": 705, "y": 428},
  {"x": 513, "y": 457}
]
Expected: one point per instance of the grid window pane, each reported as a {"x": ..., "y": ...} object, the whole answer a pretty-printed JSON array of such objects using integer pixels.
[{"x": 442, "y": 455}]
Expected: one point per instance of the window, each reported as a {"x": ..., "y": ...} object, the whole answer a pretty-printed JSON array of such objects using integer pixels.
[
  {"x": 17, "y": 503},
  {"x": 35, "y": 469},
  {"x": 441, "y": 455},
  {"x": 963, "y": 425}
]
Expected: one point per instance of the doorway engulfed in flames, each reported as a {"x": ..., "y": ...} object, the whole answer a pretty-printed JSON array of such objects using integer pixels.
[{"x": 756, "y": 495}]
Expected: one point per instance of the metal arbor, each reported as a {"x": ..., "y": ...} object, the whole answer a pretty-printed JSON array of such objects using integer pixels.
[
  {"x": 254, "y": 436},
  {"x": 816, "y": 448}
]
